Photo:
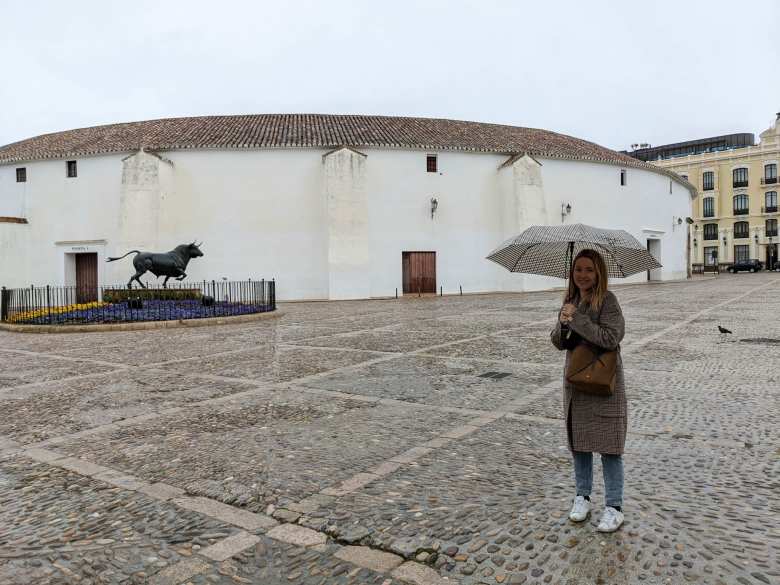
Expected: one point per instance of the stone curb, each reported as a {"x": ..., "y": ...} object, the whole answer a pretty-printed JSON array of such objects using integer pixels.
[
  {"x": 140, "y": 326},
  {"x": 417, "y": 574},
  {"x": 362, "y": 556},
  {"x": 179, "y": 572},
  {"x": 230, "y": 546},
  {"x": 297, "y": 535},
  {"x": 225, "y": 513}
]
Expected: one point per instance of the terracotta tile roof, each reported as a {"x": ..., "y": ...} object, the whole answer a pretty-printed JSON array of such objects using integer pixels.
[{"x": 310, "y": 130}]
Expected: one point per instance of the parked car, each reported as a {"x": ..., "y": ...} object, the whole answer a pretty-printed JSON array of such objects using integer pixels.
[{"x": 746, "y": 265}]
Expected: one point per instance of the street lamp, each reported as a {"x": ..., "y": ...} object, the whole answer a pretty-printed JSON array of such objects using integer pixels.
[
  {"x": 434, "y": 205},
  {"x": 565, "y": 210}
]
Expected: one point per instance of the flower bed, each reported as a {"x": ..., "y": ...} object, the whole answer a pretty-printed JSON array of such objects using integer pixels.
[{"x": 120, "y": 312}]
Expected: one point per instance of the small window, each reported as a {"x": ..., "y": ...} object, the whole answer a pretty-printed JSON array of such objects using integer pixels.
[
  {"x": 710, "y": 231},
  {"x": 741, "y": 230},
  {"x": 771, "y": 227},
  {"x": 430, "y": 163},
  {"x": 741, "y": 253},
  {"x": 740, "y": 177},
  {"x": 770, "y": 202},
  {"x": 708, "y": 181},
  {"x": 709, "y": 206},
  {"x": 685, "y": 177},
  {"x": 741, "y": 205},
  {"x": 770, "y": 171},
  {"x": 21, "y": 175},
  {"x": 622, "y": 177},
  {"x": 71, "y": 168}
]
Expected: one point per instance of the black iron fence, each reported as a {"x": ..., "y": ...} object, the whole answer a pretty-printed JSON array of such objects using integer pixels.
[{"x": 71, "y": 305}]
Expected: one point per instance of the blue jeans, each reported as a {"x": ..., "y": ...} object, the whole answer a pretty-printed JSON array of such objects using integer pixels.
[{"x": 613, "y": 476}]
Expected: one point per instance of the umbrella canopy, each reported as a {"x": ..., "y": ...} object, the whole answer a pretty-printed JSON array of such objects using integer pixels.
[{"x": 549, "y": 250}]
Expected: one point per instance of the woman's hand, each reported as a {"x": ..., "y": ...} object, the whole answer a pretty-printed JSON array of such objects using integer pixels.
[{"x": 567, "y": 312}]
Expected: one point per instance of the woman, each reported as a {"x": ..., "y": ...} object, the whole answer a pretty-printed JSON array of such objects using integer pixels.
[{"x": 592, "y": 314}]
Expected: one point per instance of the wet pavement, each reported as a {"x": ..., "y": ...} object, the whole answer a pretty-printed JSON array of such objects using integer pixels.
[{"x": 417, "y": 440}]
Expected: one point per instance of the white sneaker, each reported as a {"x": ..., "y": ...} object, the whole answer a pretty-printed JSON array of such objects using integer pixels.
[
  {"x": 610, "y": 520},
  {"x": 580, "y": 509}
]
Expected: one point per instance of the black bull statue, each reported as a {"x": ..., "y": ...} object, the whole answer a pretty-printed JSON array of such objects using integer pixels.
[{"x": 168, "y": 264}]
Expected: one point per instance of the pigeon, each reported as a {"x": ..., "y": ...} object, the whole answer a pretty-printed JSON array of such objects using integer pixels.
[{"x": 723, "y": 329}]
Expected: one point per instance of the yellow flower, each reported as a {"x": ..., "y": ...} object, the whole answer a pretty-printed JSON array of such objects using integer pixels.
[{"x": 27, "y": 315}]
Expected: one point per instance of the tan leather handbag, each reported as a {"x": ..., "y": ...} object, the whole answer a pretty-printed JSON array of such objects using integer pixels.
[{"x": 592, "y": 370}]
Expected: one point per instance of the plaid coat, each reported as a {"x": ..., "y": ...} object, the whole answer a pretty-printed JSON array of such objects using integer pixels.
[{"x": 598, "y": 423}]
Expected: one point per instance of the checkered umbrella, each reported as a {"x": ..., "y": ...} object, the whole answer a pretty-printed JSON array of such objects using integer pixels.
[{"x": 549, "y": 250}]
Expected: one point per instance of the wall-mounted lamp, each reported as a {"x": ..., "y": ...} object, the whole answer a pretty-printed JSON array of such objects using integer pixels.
[
  {"x": 755, "y": 238},
  {"x": 565, "y": 210},
  {"x": 695, "y": 243},
  {"x": 724, "y": 240},
  {"x": 434, "y": 205}
]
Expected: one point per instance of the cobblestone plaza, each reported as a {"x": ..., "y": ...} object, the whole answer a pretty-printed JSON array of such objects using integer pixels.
[{"x": 392, "y": 441}]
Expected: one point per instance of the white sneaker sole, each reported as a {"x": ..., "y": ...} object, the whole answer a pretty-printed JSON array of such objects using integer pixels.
[{"x": 615, "y": 529}]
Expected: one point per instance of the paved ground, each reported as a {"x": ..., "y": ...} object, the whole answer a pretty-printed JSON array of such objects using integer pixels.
[{"x": 364, "y": 442}]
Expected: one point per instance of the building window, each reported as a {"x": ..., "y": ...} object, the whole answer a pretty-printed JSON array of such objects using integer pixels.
[
  {"x": 711, "y": 256},
  {"x": 430, "y": 163},
  {"x": 770, "y": 174},
  {"x": 770, "y": 202},
  {"x": 741, "y": 205},
  {"x": 740, "y": 177},
  {"x": 741, "y": 253},
  {"x": 741, "y": 230},
  {"x": 709, "y": 206},
  {"x": 708, "y": 181},
  {"x": 71, "y": 168},
  {"x": 21, "y": 175},
  {"x": 623, "y": 177},
  {"x": 771, "y": 227},
  {"x": 710, "y": 231},
  {"x": 685, "y": 177}
]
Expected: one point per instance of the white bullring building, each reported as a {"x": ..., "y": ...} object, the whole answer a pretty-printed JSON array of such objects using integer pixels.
[{"x": 331, "y": 206}]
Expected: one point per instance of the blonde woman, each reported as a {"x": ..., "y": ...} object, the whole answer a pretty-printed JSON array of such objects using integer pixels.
[{"x": 594, "y": 424}]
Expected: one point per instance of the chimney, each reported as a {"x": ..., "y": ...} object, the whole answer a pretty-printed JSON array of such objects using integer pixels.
[{"x": 778, "y": 116}]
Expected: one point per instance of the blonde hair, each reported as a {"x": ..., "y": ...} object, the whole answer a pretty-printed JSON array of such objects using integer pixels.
[{"x": 599, "y": 291}]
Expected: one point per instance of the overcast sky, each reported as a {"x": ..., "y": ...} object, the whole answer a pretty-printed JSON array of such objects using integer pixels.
[{"x": 612, "y": 72}]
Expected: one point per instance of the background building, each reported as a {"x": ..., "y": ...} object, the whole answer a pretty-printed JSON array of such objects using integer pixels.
[
  {"x": 735, "y": 217},
  {"x": 333, "y": 207}
]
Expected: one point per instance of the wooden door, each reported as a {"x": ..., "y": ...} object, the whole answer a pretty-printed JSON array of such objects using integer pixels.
[
  {"x": 419, "y": 272},
  {"x": 86, "y": 277}
]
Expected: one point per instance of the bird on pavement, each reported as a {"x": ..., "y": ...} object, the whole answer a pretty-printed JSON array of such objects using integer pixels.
[{"x": 723, "y": 329}]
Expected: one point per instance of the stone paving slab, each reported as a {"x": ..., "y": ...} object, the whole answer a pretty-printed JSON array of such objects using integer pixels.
[
  {"x": 440, "y": 381},
  {"x": 17, "y": 369},
  {"x": 270, "y": 448},
  {"x": 41, "y": 412},
  {"x": 271, "y": 363},
  {"x": 59, "y": 527},
  {"x": 482, "y": 501},
  {"x": 509, "y": 347}
]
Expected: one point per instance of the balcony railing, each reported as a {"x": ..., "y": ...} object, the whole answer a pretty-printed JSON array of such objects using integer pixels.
[
  {"x": 738, "y": 184},
  {"x": 708, "y": 213},
  {"x": 741, "y": 211},
  {"x": 768, "y": 180},
  {"x": 708, "y": 187},
  {"x": 770, "y": 209},
  {"x": 771, "y": 233}
]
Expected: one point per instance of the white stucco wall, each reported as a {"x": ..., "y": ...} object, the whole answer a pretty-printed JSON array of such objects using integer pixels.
[{"x": 265, "y": 214}]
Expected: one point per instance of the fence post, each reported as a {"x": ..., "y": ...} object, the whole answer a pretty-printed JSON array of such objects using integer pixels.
[
  {"x": 48, "y": 301},
  {"x": 3, "y": 304},
  {"x": 273, "y": 294}
]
